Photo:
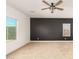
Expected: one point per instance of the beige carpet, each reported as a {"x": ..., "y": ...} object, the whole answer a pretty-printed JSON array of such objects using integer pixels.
[{"x": 44, "y": 50}]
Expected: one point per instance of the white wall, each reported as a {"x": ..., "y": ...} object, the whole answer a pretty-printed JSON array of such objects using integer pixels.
[{"x": 23, "y": 29}]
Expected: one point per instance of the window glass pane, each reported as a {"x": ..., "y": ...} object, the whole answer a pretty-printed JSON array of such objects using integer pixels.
[
  {"x": 10, "y": 21},
  {"x": 11, "y": 32},
  {"x": 10, "y": 28}
]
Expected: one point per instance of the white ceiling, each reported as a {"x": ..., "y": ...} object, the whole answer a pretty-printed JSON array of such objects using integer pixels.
[{"x": 33, "y": 8}]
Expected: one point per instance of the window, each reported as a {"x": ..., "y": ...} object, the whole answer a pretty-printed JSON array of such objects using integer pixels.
[
  {"x": 10, "y": 28},
  {"x": 66, "y": 30}
]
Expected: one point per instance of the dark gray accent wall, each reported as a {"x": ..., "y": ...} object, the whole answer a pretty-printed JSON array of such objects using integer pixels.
[{"x": 49, "y": 28}]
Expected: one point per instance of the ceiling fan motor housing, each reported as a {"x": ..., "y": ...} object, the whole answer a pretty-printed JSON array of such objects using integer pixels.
[{"x": 52, "y": 5}]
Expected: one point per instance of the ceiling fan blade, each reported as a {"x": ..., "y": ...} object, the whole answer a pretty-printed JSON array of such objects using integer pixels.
[
  {"x": 58, "y": 3},
  {"x": 45, "y": 8},
  {"x": 59, "y": 8},
  {"x": 46, "y": 3}
]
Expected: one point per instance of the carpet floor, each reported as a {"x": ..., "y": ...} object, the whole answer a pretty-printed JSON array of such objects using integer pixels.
[{"x": 44, "y": 50}]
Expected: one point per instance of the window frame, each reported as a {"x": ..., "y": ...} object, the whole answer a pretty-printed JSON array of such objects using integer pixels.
[{"x": 11, "y": 26}]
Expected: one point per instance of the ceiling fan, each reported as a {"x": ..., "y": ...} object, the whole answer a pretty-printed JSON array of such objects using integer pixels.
[{"x": 52, "y": 6}]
